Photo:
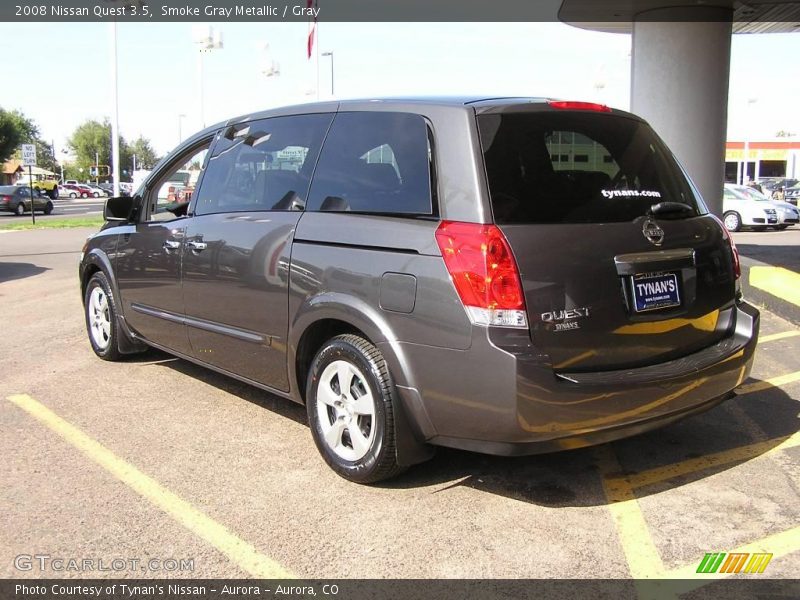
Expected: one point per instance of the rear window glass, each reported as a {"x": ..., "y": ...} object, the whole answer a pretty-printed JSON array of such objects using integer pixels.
[
  {"x": 549, "y": 167},
  {"x": 374, "y": 162}
]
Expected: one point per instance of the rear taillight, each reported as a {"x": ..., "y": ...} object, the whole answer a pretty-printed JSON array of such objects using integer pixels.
[
  {"x": 737, "y": 266},
  {"x": 573, "y": 105},
  {"x": 5, "y": 199},
  {"x": 484, "y": 273}
]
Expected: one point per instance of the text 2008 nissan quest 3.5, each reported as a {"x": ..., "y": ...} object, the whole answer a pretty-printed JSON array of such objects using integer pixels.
[{"x": 507, "y": 276}]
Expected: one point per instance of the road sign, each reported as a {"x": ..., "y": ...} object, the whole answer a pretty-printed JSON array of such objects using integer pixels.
[{"x": 28, "y": 155}]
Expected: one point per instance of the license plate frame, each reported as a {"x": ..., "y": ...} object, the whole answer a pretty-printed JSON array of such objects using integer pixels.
[{"x": 659, "y": 296}]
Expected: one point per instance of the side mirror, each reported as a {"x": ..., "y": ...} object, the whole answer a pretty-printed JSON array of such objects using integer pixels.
[{"x": 119, "y": 209}]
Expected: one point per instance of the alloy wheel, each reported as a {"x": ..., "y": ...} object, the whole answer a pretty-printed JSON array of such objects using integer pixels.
[{"x": 346, "y": 410}]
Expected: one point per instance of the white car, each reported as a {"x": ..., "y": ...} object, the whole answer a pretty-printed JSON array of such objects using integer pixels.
[
  {"x": 788, "y": 214},
  {"x": 740, "y": 210}
]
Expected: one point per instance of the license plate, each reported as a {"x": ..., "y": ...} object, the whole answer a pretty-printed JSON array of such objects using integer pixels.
[{"x": 652, "y": 291}]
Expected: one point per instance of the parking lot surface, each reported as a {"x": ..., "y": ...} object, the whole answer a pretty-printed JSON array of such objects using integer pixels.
[{"x": 156, "y": 458}]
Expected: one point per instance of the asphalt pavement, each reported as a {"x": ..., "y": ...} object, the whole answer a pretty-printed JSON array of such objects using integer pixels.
[
  {"x": 156, "y": 458},
  {"x": 63, "y": 207}
]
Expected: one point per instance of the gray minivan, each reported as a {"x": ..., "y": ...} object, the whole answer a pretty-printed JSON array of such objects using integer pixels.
[{"x": 502, "y": 275}]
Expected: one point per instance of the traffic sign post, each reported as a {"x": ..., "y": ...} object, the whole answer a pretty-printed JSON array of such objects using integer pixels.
[{"x": 29, "y": 160}]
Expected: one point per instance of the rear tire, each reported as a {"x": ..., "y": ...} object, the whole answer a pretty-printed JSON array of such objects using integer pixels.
[
  {"x": 20, "y": 210},
  {"x": 352, "y": 423},
  {"x": 732, "y": 220},
  {"x": 73, "y": 195},
  {"x": 100, "y": 310}
]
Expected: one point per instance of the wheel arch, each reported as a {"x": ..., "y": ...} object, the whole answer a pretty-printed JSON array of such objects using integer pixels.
[
  {"x": 329, "y": 314},
  {"x": 97, "y": 261}
]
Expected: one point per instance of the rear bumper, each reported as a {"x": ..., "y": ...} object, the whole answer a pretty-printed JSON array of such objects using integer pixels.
[{"x": 506, "y": 400}]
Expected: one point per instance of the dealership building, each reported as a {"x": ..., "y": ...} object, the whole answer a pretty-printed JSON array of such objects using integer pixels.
[{"x": 775, "y": 158}]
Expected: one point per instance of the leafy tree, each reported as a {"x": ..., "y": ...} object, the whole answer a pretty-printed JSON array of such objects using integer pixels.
[
  {"x": 17, "y": 129},
  {"x": 11, "y": 134},
  {"x": 95, "y": 137},
  {"x": 146, "y": 157},
  {"x": 91, "y": 141}
]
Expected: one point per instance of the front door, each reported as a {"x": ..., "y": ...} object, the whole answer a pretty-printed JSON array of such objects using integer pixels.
[
  {"x": 238, "y": 243},
  {"x": 149, "y": 254}
]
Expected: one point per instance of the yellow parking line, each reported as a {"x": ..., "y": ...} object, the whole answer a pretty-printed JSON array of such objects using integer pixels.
[
  {"x": 759, "y": 386},
  {"x": 777, "y": 281},
  {"x": 240, "y": 552},
  {"x": 692, "y": 465},
  {"x": 644, "y": 561},
  {"x": 778, "y": 336}
]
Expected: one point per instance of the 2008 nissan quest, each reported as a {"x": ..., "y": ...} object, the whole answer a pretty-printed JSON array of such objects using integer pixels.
[{"x": 507, "y": 276}]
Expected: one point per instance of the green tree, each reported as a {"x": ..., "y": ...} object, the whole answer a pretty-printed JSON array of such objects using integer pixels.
[
  {"x": 91, "y": 141},
  {"x": 95, "y": 137},
  {"x": 17, "y": 129},
  {"x": 146, "y": 157},
  {"x": 11, "y": 134}
]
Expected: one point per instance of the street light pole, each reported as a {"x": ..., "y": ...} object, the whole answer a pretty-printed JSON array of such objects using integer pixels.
[
  {"x": 180, "y": 131},
  {"x": 331, "y": 55},
  {"x": 207, "y": 40},
  {"x": 745, "y": 176},
  {"x": 115, "y": 109}
]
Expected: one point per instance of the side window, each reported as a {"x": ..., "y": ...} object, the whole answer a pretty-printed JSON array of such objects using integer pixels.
[
  {"x": 172, "y": 192},
  {"x": 263, "y": 165},
  {"x": 374, "y": 162}
]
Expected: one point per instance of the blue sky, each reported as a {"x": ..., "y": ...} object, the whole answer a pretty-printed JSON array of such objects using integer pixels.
[{"x": 159, "y": 74}]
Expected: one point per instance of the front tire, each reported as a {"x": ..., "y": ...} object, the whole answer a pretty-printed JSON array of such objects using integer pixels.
[
  {"x": 100, "y": 310},
  {"x": 350, "y": 399},
  {"x": 54, "y": 193},
  {"x": 732, "y": 220},
  {"x": 48, "y": 208},
  {"x": 73, "y": 195}
]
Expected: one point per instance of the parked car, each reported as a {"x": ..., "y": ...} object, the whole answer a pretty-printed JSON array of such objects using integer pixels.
[
  {"x": 69, "y": 190},
  {"x": 97, "y": 191},
  {"x": 775, "y": 186},
  {"x": 507, "y": 276},
  {"x": 741, "y": 210},
  {"x": 17, "y": 199},
  {"x": 108, "y": 188},
  {"x": 86, "y": 191},
  {"x": 787, "y": 214},
  {"x": 792, "y": 194}
]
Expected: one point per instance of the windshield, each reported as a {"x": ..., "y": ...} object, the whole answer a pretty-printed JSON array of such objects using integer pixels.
[
  {"x": 750, "y": 194},
  {"x": 577, "y": 167}
]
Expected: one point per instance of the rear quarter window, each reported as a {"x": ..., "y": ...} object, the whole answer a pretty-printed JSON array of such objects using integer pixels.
[
  {"x": 572, "y": 167},
  {"x": 374, "y": 162}
]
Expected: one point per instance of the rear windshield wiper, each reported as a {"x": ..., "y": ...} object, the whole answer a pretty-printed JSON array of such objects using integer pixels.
[{"x": 671, "y": 210}]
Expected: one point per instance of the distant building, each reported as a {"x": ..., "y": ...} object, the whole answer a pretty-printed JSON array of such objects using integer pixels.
[
  {"x": 776, "y": 158},
  {"x": 11, "y": 170}
]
